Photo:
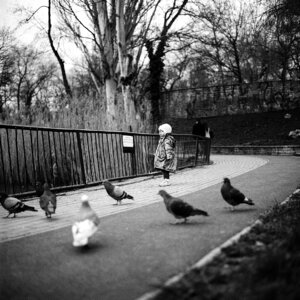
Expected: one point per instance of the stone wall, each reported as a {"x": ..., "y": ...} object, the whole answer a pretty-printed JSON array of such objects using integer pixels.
[{"x": 257, "y": 150}]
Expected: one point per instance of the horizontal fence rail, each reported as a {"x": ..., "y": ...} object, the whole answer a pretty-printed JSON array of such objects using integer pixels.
[{"x": 75, "y": 158}]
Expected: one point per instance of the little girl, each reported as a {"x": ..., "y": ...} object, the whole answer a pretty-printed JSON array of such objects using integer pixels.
[{"x": 165, "y": 159}]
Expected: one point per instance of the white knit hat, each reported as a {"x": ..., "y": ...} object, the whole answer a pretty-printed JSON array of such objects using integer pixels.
[{"x": 166, "y": 128}]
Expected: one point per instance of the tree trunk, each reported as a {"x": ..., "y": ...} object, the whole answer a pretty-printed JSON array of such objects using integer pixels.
[
  {"x": 111, "y": 94},
  {"x": 129, "y": 109},
  {"x": 55, "y": 52}
]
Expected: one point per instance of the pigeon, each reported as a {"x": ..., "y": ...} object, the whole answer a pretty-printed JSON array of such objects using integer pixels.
[
  {"x": 14, "y": 205},
  {"x": 180, "y": 209},
  {"x": 48, "y": 201},
  {"x": 116, "y": 192},
  {"x": 232, "y": 195},
  {"x": 39, "y": 190},
  {"x": 86, "y": 224}
]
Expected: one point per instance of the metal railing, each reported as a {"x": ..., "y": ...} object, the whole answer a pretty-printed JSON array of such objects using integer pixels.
[{"x": 69, "y": 158}]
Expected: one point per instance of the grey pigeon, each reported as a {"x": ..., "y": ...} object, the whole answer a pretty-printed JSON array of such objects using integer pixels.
[
  {"x": 116, "y": 192},
  {"x": 14, "y": 205},
  {"x": 86, "y": 224},
  {"x": 48, "y": 201},
  {"x": 232, "y": 195},
  {"x": 180, "y": 209}
]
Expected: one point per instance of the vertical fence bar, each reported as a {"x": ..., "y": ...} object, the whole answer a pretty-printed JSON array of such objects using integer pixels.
[
  {"x": 117, "y": 150},
  {"x": 103, "y": 157},
  {"x": 17, "y": 156},
  {"x": 133, "y": 159},
  {"x": 77, "y": 175},
  {"x": 50, "y": 159},
  {"x": 66, "y": 157},
  {"x": 112, "y": 153},
  {"x": 71, "y": 156},
  {"x": 55, "y": 165},
  {"x": 88, "y": 156},
  {"x": 9, "y": 160},
  {"x": 93, "y": 158},
  {"x": 121, "y": 154},
  {"x": 80, "y": 157},
  {"x": 2, "y": 161},
  {"x": 108, "y": 154},
  {"x": 25, "y": 158},
  {"x": 45, "y": 161},
  {"x": 32, "y": 158},
  {"x": 98, "y": 155},
  {"x": 61, "y": 159},
  {"x": 38, "y": 155}
]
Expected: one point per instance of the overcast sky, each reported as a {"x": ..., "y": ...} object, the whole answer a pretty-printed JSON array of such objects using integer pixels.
[{"x": 10, "y": 19}]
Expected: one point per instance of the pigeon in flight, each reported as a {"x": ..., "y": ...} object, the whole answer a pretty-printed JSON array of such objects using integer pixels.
[
  {"x": 14, "y": 205},
  {"x": 116, "y": 192},
  {"x": 180, "y": 209},
  {"x": 48, "y": 201},
  {"x": 86, "y": 224},
  {"x": 232, "y": 195}
]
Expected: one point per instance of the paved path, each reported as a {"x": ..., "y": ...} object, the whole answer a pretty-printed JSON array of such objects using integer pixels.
[
  {"x": 136, "y": 248},
  {"x": 144, "y": 191}
]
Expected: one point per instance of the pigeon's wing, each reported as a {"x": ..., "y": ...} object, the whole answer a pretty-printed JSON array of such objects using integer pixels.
[
  {"x": 180, "y": 208},
  {"x": 53, "y": 200},
  {"x": 44, "y": 200},
  {"x": 88, "y": 214},
  {"x": 118, "y": 193},
  {"x": 236, "y": 195},
  {"x": 12, "y": 203},
  {"x": 225, "y": 191},
  {"x": 82, "y": 231}
]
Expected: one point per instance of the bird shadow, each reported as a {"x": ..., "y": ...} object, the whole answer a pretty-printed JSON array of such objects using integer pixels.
[
  {"x": 52, "y": 219},
  {"x": 123, "y": 204},
  {"x": 18, "y": 217},
  {"x": 89, "y": 248},
  {"x": 188, "y": 223},
  {"x": 239, "y": 210}
]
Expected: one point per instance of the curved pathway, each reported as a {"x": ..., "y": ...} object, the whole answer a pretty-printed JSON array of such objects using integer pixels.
[
  {"x": 137, "y": 247},
  {"x": 144, "y": 192}
]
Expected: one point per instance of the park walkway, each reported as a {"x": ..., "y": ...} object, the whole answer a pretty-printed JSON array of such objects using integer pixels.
[
  {"x": 143, "y": 189},
  {"x": 137, "y": 248}
]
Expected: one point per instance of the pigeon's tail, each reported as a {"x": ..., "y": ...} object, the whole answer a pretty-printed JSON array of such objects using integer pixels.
[
  {"x": 30, "y": 208},
  {"x": 248, "y": 201},
  {"x": 200, "y": 212},
  {"x": 128, "y": 196}
]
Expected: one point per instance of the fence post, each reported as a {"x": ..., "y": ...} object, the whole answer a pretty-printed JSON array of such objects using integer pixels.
[
  {"x": 208, "y": 147},
  {"x": 197, "y": 151},
  {"x": 80, "y": 157}
]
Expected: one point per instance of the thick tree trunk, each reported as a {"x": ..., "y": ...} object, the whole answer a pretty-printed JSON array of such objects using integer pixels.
[
  {"x": 129, "y": 109},
  {"x": 111, "y": 103}
]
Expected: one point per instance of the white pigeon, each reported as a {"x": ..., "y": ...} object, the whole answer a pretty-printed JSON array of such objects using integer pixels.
[{"x": 86, "y": 224}]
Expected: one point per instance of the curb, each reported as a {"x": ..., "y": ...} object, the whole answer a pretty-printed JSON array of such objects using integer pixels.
[{"x": 208, "y": 257}]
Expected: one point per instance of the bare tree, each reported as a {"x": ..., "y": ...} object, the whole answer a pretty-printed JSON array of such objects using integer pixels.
[
  {"x": 31, "y": 76},
  {"x": 226, "y": 36},
  {"x": 53, "y": 48},
  {"x": 156, "y": 49},
  {"x": 6, "y": 64},
  {"x": 113, "y": 31}
]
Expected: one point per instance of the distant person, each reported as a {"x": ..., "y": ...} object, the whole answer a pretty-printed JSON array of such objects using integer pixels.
[
  {"x": 165, "y": 158},
  {"x": 203, "y": 130},
  {"x": 208, "y": 133},
  {"x": 198, "y": 128}
]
